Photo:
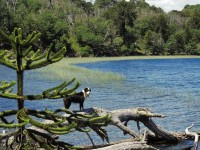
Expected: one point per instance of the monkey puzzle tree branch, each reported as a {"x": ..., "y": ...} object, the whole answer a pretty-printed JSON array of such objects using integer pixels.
[
  {"x": 10, "y": 95},
  {"x": 4, "y": 92},
  {"x": 68, "y": 124},
  {"x": 4, "y": 59},
  {"x": 6, "y": 124},
  {"x": 57, "y": 127},
  {"x": 32, "y": 59},
  {"x": 8, "y": 113},
  {"x": 5, "y": 120},
  {"x": 38, "y": 61},
  {"x": 61, "y": 90},
  {"x": 4, "y": 85},
  {"x": 22, "y": 114},
  {"x": 52, "y": 93},
  {"x": 46, "y": 114},
  {"x": 57, "y": 92},
  {"x": 17, "y": 125}
]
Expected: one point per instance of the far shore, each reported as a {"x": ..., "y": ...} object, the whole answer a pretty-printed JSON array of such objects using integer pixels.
[{"x": 76, "y": 60}]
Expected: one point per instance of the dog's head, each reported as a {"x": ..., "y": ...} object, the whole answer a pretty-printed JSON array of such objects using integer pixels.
[{"x": 86, "y": 92}]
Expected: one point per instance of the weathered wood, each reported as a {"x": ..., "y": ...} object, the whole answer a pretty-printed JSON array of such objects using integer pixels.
[
  {"x": 128, "y": 146},
  {"x": 142, "y": 115},
  {"x": 194, "y": 134},
  {"x": 158, "y": 131}
]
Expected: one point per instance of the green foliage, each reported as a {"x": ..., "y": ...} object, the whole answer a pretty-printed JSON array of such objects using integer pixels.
[
  {"x": 104, "y": 3},
  {"x": 91, "y": 35},
  {"x": 5, "y": 85},
  {"x": 176, "y": 43},
  {"x": 22, "y": 49},
  {"x": 57, "y": 126},
  {"x": 161, "y": 26},
  {"x": 153, "y": 43},
  {"x": 122, "y": 15},
  {"x": 144, "y": 24},
  {"x": 33, "y": 5},
  {"x": 90, "y": 29},
  {"x": 118, "y": 41}
]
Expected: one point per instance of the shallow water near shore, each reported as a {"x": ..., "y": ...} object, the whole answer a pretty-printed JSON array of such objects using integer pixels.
[{"x": 167, "y": 86}]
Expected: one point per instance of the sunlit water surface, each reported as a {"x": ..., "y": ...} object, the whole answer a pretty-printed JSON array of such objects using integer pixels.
[{"x": 167, "y": 86}]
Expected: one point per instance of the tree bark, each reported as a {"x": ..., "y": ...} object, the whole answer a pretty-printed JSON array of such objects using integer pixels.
[
  {"x": 140, "y": 115},
  {"x": 128, "y": 146},
  {"x": 122, "y": 144},
  {"x": 143, "y": 115}
]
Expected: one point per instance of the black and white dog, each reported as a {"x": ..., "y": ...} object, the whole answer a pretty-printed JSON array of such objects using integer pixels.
[{"x": 77, "y": 98}]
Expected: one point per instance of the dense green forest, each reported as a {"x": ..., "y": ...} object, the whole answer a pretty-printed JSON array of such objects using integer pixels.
[{"x": 105, "y": 27}]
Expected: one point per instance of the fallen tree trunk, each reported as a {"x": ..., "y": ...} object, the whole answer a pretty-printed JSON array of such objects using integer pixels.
[
  {"x": 123, "y": 144},
  {"x": 121, "y": 117},
  {"x": 128, "y": 146}
]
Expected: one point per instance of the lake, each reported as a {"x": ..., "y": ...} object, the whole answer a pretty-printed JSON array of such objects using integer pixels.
[{"x": 167, "y": 86}]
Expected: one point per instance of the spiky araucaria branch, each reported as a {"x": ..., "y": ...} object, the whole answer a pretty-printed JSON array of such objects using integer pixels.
[
  {"x": 22, "y": 47},
  {"x": 60, "y": 125},
  {"x": 4, "y": 85},
  {"x": 7, "y": 60},
  {"x": 56, "y": 92},
  {"x": 5, "y": 90}
]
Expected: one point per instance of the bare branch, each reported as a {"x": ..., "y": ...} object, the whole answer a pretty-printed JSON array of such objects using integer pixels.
[{"x": 196, "y": 136}]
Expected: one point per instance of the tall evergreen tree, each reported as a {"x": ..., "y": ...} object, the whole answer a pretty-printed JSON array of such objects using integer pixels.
[{"x": 22, "y": 57}]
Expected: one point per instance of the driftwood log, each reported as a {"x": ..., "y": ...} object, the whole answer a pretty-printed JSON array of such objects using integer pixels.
[
  {"x": 128, "y": 144},
  {"x": 121, "y": 117}
]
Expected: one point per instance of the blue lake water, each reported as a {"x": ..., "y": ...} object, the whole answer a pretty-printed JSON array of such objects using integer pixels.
[{"x": 167, "y": 86}]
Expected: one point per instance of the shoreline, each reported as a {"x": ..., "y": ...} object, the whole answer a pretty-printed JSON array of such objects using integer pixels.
[{"x": 77, "y": 60}]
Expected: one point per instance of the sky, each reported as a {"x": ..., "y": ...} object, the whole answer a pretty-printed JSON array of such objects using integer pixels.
[{"x": 168, "y": 5}]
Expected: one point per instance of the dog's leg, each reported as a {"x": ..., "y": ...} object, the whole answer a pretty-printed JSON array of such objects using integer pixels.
[
  {"x": 67, "y": 103},
  {"x": 126, "y": 123},
  {"x": 138, "y": 126},
  {"x": 81, "y": 106}
]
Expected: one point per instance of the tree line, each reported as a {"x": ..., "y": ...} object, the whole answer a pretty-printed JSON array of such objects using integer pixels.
[{"x": 105, "y": 27}]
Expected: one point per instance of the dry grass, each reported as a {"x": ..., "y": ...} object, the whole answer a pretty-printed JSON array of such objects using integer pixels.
[{"x": 63, "y": 70}]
